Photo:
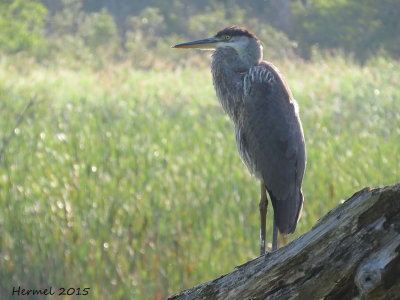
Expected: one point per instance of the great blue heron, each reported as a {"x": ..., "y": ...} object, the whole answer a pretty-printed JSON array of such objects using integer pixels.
[{"x": 268, "y": 130}]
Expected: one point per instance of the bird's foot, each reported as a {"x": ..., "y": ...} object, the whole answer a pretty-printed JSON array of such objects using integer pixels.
[{"x": 266, "y": 254}]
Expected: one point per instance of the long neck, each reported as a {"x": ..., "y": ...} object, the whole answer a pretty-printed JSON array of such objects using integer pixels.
[
  {"x": 228, "y": 68},
  {"x": 228, "y": 81}
]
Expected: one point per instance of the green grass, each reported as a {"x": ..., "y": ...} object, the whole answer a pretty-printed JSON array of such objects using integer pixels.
[{"x": 129, "y": 182}]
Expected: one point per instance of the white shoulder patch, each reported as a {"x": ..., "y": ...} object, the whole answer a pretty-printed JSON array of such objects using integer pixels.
[
  {"x": 296, "y": 106},
  {"x": 257, "y": 74}
]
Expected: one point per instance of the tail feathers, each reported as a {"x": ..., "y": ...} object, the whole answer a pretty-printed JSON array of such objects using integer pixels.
[{"x": 287, "y": 212}]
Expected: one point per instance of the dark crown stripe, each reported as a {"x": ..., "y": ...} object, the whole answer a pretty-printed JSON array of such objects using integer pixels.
[{"x": 236, "y": 31}]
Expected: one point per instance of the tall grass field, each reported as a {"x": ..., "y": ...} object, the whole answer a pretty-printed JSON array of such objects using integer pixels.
[{"x": 128, "y": 182}]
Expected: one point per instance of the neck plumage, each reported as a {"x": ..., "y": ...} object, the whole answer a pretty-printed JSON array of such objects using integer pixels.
[{"x": 228, "y": 72}]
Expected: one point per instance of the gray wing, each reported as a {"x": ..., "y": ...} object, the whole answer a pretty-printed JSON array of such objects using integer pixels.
[{"x": 273, "y": 136}]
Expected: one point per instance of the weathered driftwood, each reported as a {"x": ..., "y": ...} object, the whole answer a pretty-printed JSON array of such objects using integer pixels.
[{"x": 351, "y": 253}]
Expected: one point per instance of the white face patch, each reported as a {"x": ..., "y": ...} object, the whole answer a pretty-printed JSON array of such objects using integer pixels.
[{"x": 239, "y": 43}]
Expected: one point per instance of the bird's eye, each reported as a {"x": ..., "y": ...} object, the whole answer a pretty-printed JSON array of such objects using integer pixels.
[{"x": 227, "y": 37}]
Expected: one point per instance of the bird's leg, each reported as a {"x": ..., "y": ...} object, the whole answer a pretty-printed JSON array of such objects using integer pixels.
[
  {"x": 263, "y": 217},
  {"x": 274, "y": 236}
]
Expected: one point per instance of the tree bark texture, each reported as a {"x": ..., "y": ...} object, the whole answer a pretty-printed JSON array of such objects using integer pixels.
[{"x": 351, "y": 253}]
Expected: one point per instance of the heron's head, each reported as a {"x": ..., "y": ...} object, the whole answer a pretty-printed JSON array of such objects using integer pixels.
[{"x": 238, "y": 38}]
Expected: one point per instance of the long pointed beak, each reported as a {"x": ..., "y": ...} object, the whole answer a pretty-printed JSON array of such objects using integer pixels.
[{"x": 206, "y": 44}]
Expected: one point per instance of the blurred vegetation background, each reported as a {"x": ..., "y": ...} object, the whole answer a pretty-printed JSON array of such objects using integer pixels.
[
  {"x": 118, "y": 169},
  {"x": 86, "y": 30}
]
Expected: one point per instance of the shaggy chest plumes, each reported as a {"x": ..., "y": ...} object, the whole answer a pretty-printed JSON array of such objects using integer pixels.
[
  {"x": 231, "y": 68},
  {"x": 234, "y": 81},
  {"x": 228, "y": 83},
  {"x": 233, "y": 86}
]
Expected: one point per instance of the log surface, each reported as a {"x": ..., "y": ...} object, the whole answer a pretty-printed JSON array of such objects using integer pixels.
[{"x": 351, "y": 253}]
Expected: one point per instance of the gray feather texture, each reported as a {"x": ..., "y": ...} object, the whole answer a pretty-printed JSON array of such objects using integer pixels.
[{"x": 268, "y": 130}]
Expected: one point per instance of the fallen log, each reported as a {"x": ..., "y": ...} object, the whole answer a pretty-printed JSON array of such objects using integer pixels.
[{"x": 351, "y": 253}]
